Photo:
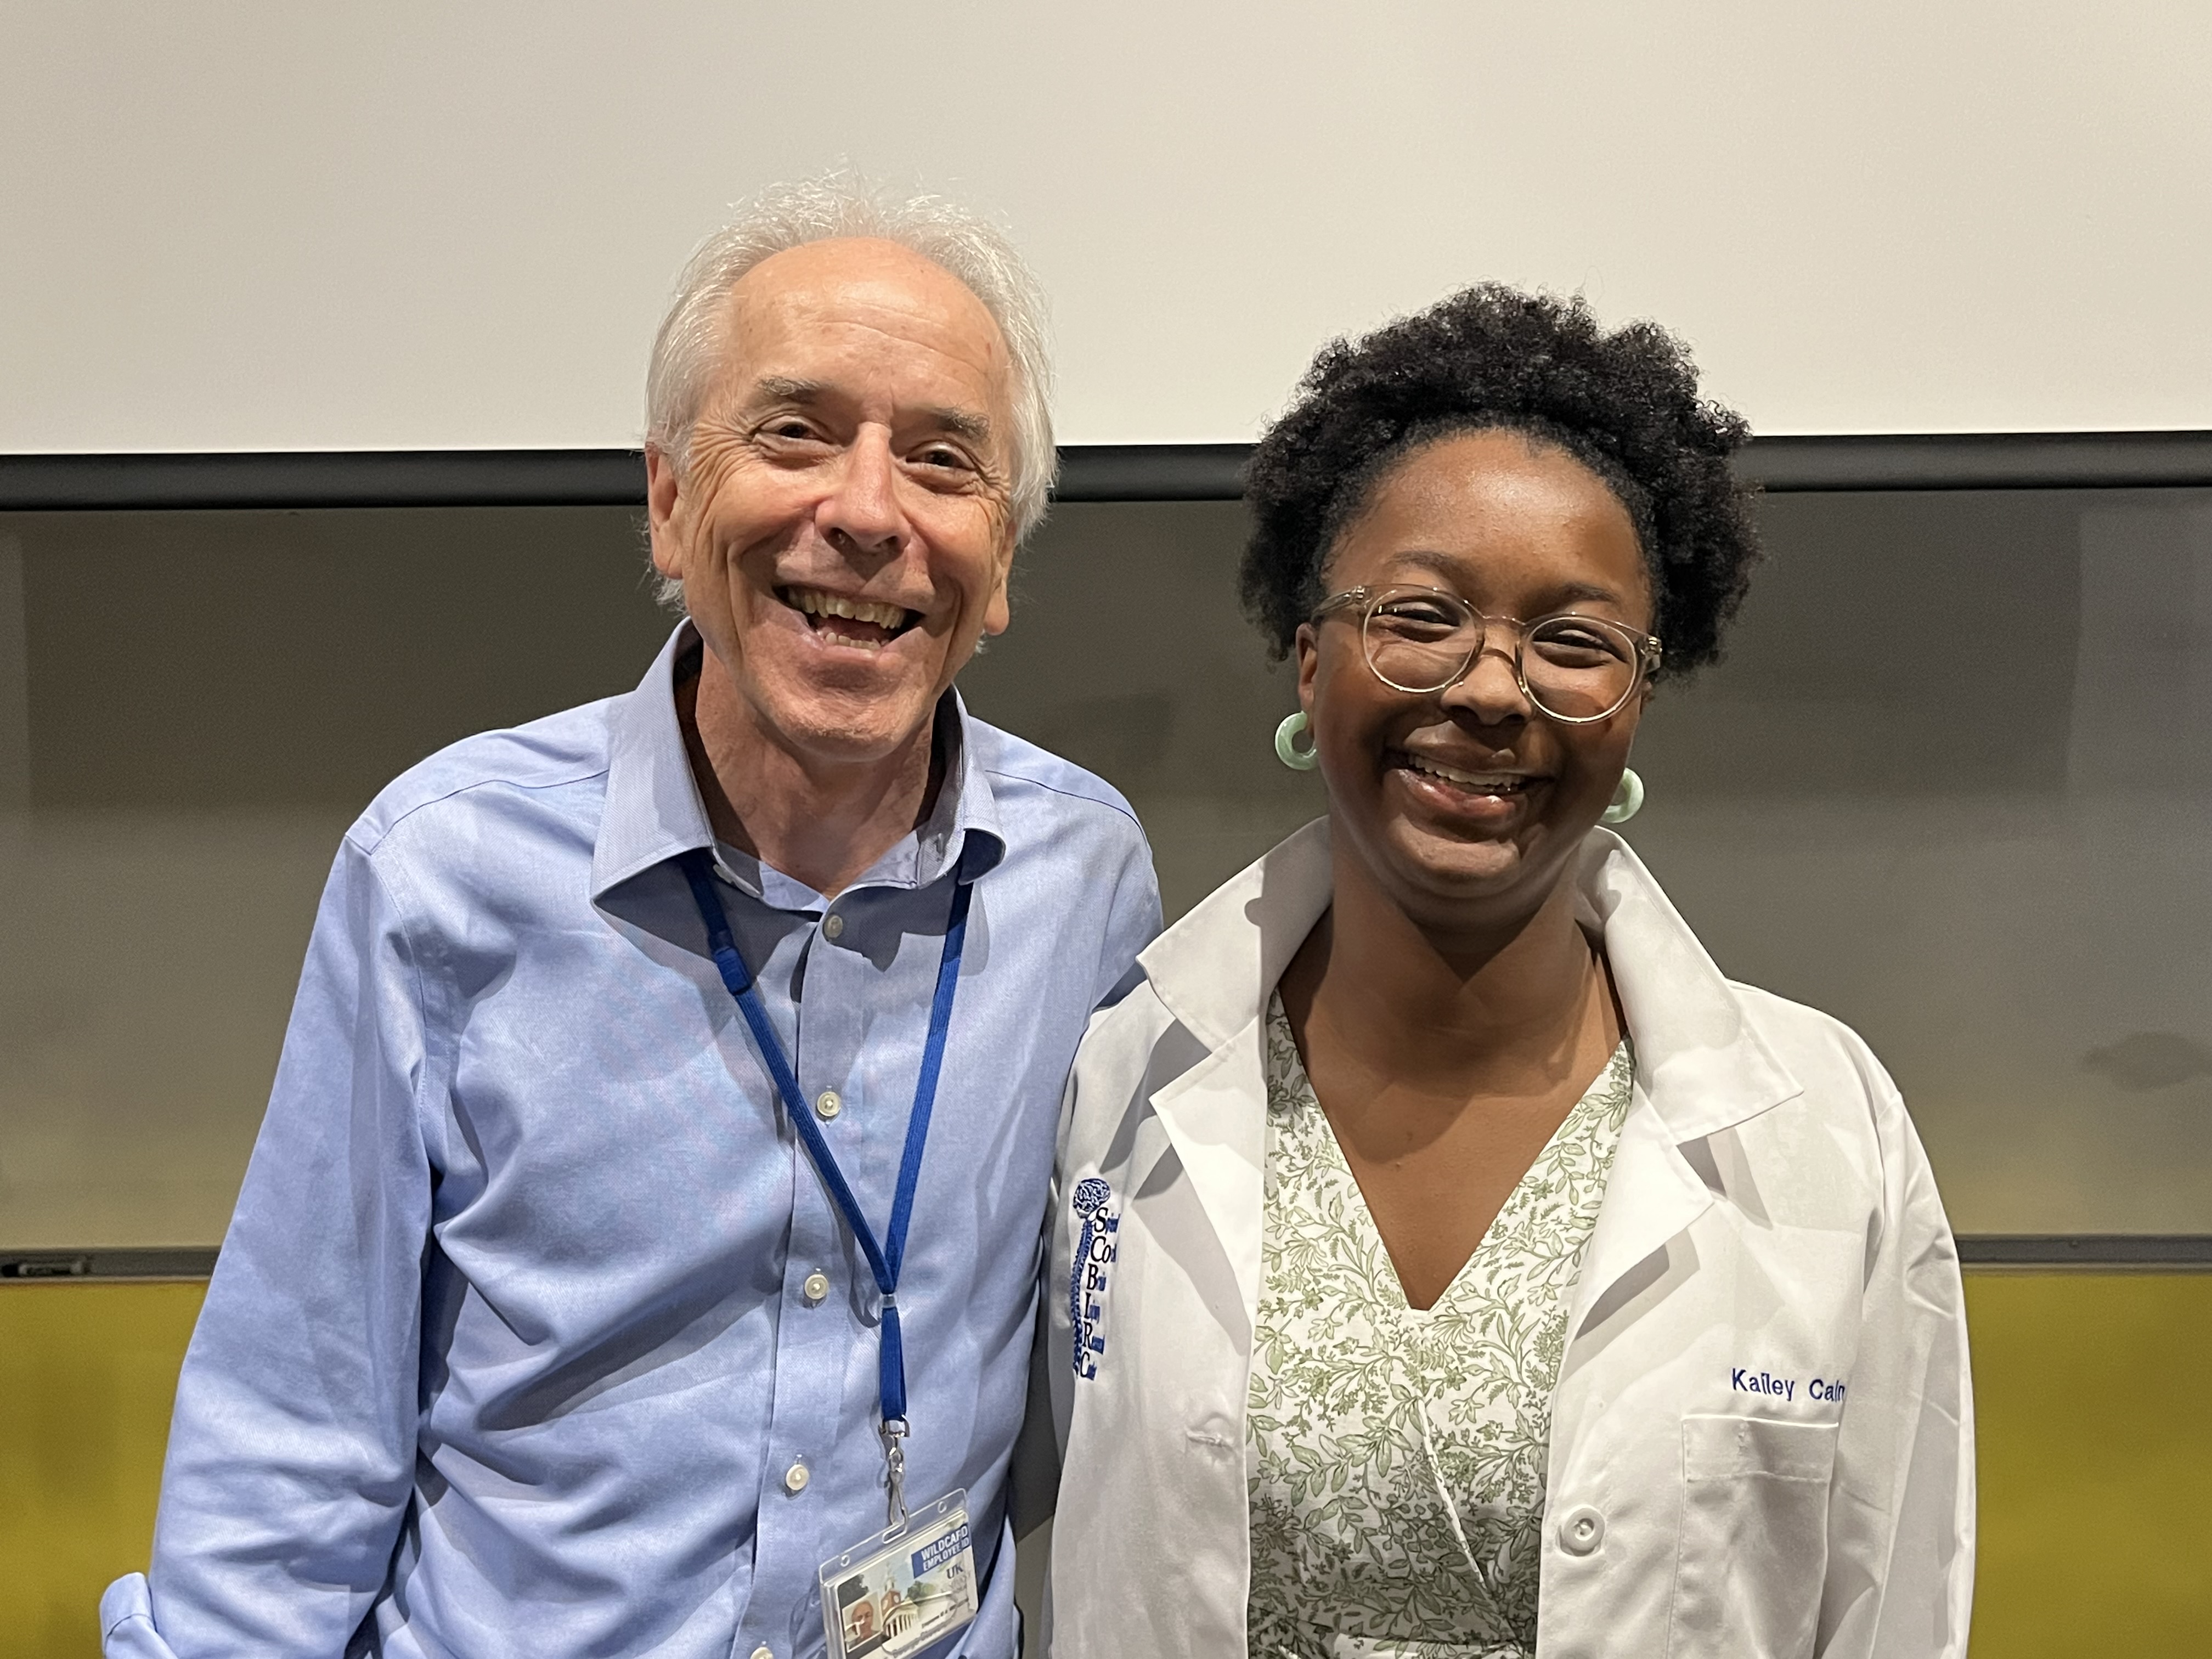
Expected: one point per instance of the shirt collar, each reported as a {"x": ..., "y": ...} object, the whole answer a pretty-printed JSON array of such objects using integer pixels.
[{"x": 654, "y": 812}]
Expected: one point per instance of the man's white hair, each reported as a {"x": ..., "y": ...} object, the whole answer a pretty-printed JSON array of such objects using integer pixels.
[{"x": 687, "y": 352}]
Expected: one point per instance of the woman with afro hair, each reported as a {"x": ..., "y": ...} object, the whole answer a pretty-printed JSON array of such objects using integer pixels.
[{"x": 1450, "y": 1261}]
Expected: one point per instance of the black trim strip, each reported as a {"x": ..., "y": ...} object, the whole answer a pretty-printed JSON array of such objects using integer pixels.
[
  {"x": 1151, "y": 472},
  {"x": 1089, "y": 472},
  {"x": 422, "y": 478},
  {"x": 2010, "y": 460},
  {"x": 46, "y": 1267},
  {"x": 2091, "y": 1252},
  {"x": 2039, "y": 1252}
]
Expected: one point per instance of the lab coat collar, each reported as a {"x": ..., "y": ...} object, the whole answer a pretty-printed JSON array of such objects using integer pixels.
[
  {"x": 1214, "y": 970},
  {"x": 1698, "y": 1062},
  {"x": 1697, "y": 1055}
]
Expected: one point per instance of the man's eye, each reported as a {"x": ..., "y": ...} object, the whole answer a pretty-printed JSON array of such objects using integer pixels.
[
  {"x": 939, "y": 456},
  {"x": 792, "y": 428}
]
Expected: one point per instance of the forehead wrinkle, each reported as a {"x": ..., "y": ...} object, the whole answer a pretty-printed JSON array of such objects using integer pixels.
[{"x": 784, "y": 388}]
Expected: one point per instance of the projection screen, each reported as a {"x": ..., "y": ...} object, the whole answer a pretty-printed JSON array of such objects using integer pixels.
[{"x": 266, "y": 226}]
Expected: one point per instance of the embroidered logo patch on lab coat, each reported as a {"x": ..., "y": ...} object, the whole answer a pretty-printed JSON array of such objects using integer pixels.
[{"x": 1086, "y": 1280}]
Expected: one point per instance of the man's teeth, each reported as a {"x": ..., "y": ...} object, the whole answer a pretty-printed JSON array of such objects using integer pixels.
[
  {"x": 816, "y": 603},
  {"x": 1494, "y": 783}
]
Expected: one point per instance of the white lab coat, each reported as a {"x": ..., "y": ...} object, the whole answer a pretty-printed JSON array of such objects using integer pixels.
[{"x": 1762, "y": 1438}]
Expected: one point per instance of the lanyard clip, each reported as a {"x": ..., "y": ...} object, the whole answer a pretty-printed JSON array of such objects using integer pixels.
[{"x": 894, "y": 1431}]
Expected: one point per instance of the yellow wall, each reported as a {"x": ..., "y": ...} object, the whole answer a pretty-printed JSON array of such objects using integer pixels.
[
  {"x": 2096, "y": 1459},
  {"x": 2096, "y": 1465},
  {"x": 85, "y": 1374}
]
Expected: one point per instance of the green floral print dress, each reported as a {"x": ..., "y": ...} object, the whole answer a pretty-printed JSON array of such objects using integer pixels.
[{"x": 1398, "y": 1454}]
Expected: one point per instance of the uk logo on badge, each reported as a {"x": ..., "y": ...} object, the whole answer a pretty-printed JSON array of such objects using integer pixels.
[{"x": 1086, "y": 1281}]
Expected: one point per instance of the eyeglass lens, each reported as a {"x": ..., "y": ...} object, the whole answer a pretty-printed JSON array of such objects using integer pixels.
[{"x": 1574, "y": 667}]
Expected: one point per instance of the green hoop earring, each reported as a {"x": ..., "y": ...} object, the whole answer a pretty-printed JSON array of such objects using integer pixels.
[
  {"x": 1627, "y": 799},
  {"x": 1286, "y": 746}
]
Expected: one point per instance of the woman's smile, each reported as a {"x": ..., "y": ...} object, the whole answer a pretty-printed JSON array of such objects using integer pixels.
[{"x": 1489, "y": 800}]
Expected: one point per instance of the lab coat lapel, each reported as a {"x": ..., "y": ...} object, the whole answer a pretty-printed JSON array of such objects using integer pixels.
[
  {"x": 1652, "y": 1197},
  {"x": 1215, "y": 1116},
  {"x": 1700, "y": 1068},
  {"x": 1214, "y": 971}
]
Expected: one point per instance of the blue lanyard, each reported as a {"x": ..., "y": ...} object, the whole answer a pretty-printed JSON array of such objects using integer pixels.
[{"x": 884, "y": 1259}]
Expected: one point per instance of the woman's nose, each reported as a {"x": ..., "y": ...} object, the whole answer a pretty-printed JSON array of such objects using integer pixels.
[{"x": 1490, "y": 689}]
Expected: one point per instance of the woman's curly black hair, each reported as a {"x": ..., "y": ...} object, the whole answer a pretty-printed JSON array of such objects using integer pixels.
[{"x": 1625, "y": 405}]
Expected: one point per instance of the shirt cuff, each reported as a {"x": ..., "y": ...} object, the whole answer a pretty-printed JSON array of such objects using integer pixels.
[{"x": 126, "y": 1621}]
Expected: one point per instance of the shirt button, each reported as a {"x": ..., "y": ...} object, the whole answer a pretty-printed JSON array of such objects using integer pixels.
[
  {"x": 795, "y": 1479},
  {"x": 815, "y": 1287},
  {"x": 1581, "y": 1530},
  {"x": 763, "y": 1652},
  {"x": 827, "y": 1105},
  {"x": 834, "y": 926}
]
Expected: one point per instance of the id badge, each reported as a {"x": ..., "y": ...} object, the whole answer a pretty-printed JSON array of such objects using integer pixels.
[{"x": 909, "y": 1586}]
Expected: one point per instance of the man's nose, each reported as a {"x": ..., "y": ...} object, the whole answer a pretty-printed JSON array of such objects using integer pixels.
[{"x": 862, "y": 510}]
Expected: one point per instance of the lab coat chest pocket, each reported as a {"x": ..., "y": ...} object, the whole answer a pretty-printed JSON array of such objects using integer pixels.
[{"x": 1752, "y": 1548}]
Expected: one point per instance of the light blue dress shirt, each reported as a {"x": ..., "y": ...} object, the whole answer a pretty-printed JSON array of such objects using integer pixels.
[{"x": 535, "y": 1333}]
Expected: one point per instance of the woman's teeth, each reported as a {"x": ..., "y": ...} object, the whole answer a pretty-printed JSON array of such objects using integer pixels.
[{"x": 1488, "y": 783}]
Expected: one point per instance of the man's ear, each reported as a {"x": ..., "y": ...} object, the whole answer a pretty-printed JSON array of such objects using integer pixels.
[
  {"x": 664, "y": 511},
  {"x": 999, "y": 612}
]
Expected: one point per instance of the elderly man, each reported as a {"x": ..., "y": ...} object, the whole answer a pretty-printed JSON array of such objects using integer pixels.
[{"x": 647, "y": 1210}]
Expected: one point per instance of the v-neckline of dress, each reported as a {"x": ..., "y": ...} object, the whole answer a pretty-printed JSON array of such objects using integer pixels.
[{"x": 1371, "y": 1231}]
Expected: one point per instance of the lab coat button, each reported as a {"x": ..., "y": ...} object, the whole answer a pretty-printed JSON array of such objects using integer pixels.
[
  {"x": 827, "y": 1105},
  {"x": 795, "y": 1479},
  {"x": 1581, "y": 1530},
  {"x": 763, "y": 1652},
  {"x": 815, "y": 1287},
  {"x": 834, "y": 925}
]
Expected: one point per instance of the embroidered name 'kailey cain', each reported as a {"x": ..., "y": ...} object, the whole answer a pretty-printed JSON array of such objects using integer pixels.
[
  {"x": 1745, "y": 1380},
  {"x": 1086, "y": 1280}
]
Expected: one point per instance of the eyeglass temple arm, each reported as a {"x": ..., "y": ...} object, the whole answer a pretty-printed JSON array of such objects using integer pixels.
[{"x": 1344, "y": 601}]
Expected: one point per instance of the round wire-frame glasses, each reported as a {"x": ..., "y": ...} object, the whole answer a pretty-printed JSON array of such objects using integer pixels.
[{"x": 1574, "y": 669}]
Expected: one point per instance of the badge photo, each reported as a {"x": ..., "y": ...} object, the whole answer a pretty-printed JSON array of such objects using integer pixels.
[{"x": 904, "y": 1588}]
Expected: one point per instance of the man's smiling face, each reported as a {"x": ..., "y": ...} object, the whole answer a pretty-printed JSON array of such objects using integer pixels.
[{"x": 843, "y": 525}]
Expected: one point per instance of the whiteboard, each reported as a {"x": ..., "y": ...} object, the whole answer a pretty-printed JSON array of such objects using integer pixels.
[{"x": 261, "y": 226}]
